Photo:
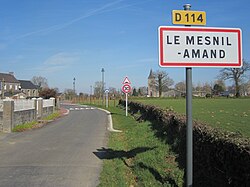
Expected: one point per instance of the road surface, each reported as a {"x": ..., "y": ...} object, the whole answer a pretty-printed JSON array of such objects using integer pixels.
[{"x": 59, "y": 154}]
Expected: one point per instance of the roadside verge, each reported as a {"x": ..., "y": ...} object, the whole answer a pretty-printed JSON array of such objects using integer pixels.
[{"x": 110, "y": 122}]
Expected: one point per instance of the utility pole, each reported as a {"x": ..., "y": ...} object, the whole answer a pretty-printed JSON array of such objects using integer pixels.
[
  {"x": 102, "y": 90},
  {"x": 90, "y": 95},
  {"x": 74, "y": 85}
]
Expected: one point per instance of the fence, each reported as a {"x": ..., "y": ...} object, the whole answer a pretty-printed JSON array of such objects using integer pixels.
[
  {"x": 23, "y": 104},
  {"x": 15, "y": 112},
  {"x": 48, "y": 102}
]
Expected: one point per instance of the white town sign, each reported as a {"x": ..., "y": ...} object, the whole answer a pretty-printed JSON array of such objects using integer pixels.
[{"x": 199, "y": 47}]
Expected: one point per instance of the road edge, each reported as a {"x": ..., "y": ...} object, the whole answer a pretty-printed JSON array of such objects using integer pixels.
[{"x": 110, "y": 122}]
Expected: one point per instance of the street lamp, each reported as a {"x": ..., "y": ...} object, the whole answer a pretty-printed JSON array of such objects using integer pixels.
[
  {"x": 74, "y": 85},
  {"x": 90, "y": 93},
  {"x": 102, "y": 90}
]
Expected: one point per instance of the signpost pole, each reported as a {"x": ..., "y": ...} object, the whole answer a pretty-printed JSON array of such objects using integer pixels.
[
  {"x": 178, "y": 49},
  {"x": 126, "y": 88},
  {"x": 107, "y": 101},
  {"x": 189, "y": 123},
  {"x": 126, "y": 104},
  {"x": 189, "y": 136}
]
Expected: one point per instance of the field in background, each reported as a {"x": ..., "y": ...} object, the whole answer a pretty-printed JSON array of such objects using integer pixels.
[{"x": 229, "y": 114}]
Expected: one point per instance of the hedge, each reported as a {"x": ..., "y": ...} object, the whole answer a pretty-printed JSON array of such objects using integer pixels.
[{"x": 220, "y": 158}]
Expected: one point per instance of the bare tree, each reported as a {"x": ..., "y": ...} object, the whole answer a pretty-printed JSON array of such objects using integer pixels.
[
  {"x": 142, "y": 91},
  {"x": 98, "y": 89},
  {"x": 237, "y": 74},
  {"x": 207, "y": 88},
  {"x": 69, "y": 93},
  {"x": 161, "y": 81},
  {"x": 113, "y": 92},
  {"x": 40, "y": 81},
  {"x": 181, "y": 86}
]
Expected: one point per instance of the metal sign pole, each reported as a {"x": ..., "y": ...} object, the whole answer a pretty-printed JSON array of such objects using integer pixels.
[
  {"x": 189, "y": 123},
  {"x": 107, "y": 101},
  {"x": 189, "y": 136},
  {"x": 126, "y": 104}
]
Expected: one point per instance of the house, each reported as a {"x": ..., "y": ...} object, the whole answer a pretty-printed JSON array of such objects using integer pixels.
[
  {"x": 13, "y": 88},
  {"x": 28, "y": 88},
  {"x": 9, "y": 84}
]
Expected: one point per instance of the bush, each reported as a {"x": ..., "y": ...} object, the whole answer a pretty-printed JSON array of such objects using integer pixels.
[{"x": 221, "y": 158}]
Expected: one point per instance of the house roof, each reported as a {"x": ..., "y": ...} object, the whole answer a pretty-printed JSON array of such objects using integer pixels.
[
  {"x": 27, "y": 85},
  {"x": 8, "y": 78}
]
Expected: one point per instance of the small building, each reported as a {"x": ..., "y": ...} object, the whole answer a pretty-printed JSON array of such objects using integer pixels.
[
  {"x": 29, "y": 89},
  {"x": 9, "y": 84}
]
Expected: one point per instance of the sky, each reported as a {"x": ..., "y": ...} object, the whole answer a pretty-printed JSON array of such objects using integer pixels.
[{"x": 62, "y": 40}]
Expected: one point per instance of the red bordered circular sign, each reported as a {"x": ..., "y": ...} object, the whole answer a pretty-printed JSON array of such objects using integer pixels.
[{"x": 126, "y": 88}]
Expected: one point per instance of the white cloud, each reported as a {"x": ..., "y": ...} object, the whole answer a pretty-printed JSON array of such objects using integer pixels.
[{"x": 59, "y": 61}]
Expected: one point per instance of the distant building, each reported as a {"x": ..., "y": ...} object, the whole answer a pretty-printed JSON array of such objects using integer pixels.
[
  {"x": 12, "y": 88},
  {"x": 152, "y": 91},
  {"x": 29, "y": 89},
  {"x": 9, "y": 84}
]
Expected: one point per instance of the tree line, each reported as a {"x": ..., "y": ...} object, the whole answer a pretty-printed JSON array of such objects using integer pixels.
[{"x": 162, "y": 82}]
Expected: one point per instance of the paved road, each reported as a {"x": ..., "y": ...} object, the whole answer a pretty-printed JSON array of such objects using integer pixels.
[{"x": 59, "y": 154}]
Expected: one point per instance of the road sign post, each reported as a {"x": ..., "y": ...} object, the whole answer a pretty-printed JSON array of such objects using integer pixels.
[
  {"x": 126, "y": 104},
  {"x": 189, "y": 121},
  {"x": 107, "y": 97},
  {"x": 126, "y": 88},
  {"x": 197, "y": 47}
]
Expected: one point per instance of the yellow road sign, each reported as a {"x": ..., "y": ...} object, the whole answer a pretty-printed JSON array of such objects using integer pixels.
[{"x": 182, "y": 17}]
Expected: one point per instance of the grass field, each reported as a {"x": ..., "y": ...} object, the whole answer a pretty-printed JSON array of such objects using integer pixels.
[
  {"x": 136, "y": 157},
  {"x": 229, "y": 114}
]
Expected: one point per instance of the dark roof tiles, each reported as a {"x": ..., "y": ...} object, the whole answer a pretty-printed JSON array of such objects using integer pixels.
[
  {"x": 27, "y": 85},
  {"x": 9, "y": 78}
]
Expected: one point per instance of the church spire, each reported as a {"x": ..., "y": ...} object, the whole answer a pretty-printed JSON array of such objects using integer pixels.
[{"x": 151, "y": 74}]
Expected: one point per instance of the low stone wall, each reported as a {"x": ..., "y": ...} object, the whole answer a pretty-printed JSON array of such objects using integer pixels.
[
  {"x": 1, "y": 121},
  {"x": 24, "y": 116},
  {"x": 16, "y": 112}
]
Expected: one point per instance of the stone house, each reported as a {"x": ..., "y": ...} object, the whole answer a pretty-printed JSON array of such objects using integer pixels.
[
  {"x": 28, "y": 88},
  {"x": 9, "y": 84},
  {"x": 12, "y": 88}
]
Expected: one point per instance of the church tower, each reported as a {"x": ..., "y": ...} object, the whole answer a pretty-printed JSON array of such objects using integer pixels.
[{"x": 151, "y": 88}]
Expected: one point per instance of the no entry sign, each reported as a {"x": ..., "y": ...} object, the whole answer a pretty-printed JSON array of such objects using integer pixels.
[{"x": 199, "y": 47}]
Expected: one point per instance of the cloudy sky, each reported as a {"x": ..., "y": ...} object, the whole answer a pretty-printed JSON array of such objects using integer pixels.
[{"x": 61, "y": 39}]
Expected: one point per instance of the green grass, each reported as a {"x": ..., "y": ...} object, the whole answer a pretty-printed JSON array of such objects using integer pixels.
[
  {"x": 33, "y": 124},
  {"x": 52, "y": 116},
  {"x": 25, "y": 126},
  {"x": 229, "y": 114},
  {"x": 136, "y": 157}
]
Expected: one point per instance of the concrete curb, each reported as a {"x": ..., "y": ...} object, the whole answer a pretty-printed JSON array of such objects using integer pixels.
[{"x": 110, "y": 122}]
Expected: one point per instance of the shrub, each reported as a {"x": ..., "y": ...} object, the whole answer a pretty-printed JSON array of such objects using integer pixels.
[{"x": 221, "y": 158}]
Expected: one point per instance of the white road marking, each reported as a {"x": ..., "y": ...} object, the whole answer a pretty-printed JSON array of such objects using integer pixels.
[{"x": 91, "y": 108}]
